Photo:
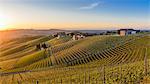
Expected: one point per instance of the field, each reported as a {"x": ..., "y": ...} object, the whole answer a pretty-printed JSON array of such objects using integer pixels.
[{"x": 100, "y": 59}]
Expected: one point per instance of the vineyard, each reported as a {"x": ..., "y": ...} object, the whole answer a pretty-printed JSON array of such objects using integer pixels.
[{"x": 101, "y": 59}]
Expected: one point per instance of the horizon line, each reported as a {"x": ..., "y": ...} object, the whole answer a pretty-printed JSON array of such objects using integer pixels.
[{"x": 70, "y": 29}]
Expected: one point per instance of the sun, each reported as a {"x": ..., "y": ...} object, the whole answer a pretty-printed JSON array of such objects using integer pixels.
[
  {"x": 3, "y": 22},
  {"x": 3, "y": 26}
]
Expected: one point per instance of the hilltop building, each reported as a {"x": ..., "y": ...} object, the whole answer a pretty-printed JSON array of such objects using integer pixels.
[
  {"x": 78, "y": 37},
  {"x": 70, "y": 34},
  {"x": 123, "y": 32},
  {"x": 61, "y": 34}
]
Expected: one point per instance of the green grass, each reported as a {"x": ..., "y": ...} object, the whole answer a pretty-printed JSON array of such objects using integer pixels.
[
  {"x": 30, "y": 59},
  {"x": 25, "y": 45},
  {"x": 61, "y": 40},
  {"x": 15, "y": 42}
]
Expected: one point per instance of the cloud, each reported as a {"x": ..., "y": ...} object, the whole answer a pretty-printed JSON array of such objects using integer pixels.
[{"x": 91, "y": 6}]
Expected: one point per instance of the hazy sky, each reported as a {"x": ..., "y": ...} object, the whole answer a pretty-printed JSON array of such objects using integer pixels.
[{"x": 71, "y": 14}]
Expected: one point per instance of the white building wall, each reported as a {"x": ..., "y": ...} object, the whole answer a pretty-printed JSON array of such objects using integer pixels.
[
  {"x": 122, "y": 33},
  {"x": 133, "y": 32}
]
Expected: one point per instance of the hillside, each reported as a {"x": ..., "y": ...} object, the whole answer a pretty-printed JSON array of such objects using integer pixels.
[
  {"x": 93, "y": 60},
  {"x": 19, "y": 33}
]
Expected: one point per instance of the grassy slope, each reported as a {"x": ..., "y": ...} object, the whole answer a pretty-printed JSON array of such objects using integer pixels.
[
  {"x": 15, "y": 42},
  {"x": 83, "y": 50},
  {"x": 20, "y": 49},
  {"x": 135, "y": 69}
]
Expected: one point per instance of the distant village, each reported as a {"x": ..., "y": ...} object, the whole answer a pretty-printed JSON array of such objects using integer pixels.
[{"x": 79, "y": 35}]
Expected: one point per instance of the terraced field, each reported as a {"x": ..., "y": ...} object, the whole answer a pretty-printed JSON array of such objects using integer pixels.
[{"x": 93, "y": 60}]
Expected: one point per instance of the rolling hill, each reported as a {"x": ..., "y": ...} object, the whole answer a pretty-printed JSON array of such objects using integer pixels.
[{"x": 97, "y": 59}]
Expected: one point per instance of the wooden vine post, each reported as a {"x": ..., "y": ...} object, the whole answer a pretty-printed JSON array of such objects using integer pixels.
[
  {"x": 85, "y": 74},
  {"x": 104, "y": 79},
  {"x": 145, "y": 62}
]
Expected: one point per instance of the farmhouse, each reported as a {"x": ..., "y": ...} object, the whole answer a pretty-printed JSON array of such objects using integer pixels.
[
  {"x": 70, "y": 34},
  {"x": 61, "y": 34},
  {"x": 123, "y": 32},
  {"x": 78, "y": 36}
]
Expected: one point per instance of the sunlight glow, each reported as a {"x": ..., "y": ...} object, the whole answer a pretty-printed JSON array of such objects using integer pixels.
[{"x": 4, "y": 21}]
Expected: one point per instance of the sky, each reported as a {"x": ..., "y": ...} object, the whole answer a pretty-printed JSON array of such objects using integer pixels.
[{"x": 74, "y": 14}]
